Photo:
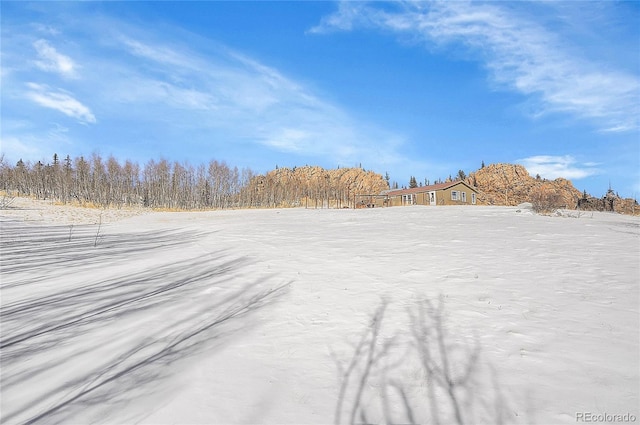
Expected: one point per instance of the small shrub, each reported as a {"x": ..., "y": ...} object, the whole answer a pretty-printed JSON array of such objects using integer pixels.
[{"x": 545, "y": 201}]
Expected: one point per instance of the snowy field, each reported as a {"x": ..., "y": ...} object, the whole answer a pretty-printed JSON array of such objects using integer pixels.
[{"x": 397, "y": 315}]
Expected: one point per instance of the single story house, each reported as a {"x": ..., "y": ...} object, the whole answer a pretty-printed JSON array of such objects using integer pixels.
[{"x": 449, "y": 193}]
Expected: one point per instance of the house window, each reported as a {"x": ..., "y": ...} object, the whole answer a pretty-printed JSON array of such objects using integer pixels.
[
  {"x": 464, "y": 196},
  {"x": 473, "y": 198},
  {"x": 454, "y": 195}
]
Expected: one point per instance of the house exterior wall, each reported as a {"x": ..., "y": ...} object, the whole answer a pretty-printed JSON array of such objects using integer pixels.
[
  {"x": 464, "y": 196},
  {"x": 395, "y": 201},
  {"x": 407, "y": 199},
  {"x": 380, "y": 202},
  {"x": 452, "y": 193},
  {"x": 422, "y": 198}
]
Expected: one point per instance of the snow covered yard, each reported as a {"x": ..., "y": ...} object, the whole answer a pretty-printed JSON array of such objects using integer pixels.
[{"x": 407, "y": 314}]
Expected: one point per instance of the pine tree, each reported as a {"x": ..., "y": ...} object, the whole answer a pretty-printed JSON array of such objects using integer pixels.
[{"x": 412, "y": 182}]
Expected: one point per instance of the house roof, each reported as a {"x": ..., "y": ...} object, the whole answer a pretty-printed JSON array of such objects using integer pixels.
[{"x": 429, "y": 188}]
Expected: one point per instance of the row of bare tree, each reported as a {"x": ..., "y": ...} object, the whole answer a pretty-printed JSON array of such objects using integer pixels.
[
  {"x": 180, "y": 185},
  {"x": 111, "y": 183}
]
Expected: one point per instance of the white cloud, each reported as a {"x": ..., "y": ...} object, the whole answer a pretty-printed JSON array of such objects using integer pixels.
[
  {"x": 20, "y": 148},
  {"x": 160, "y": 93},
  {"x": 289, "y": 140},
  {"x": 552, "y": 167},
  {"x": 519, "y": 53},
  {"x": 234, "y": 94},
  {"x": 186, "y": 95},
  {"x": 60, "y": 101},
  {"x": 349, "y": 14},
  {"x": 45, "y": 29},
  {"x": 51, "y": 60}
]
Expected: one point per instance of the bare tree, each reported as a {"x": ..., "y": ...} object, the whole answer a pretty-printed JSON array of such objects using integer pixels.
[{"x": 161, "y": 184}]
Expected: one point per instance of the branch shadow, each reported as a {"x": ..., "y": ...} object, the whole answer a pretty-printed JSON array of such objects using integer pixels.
[
  {"x": 107, "y": 341},
  {"x": 424, "y": 376},
  {"x": 55, "y": 249}
]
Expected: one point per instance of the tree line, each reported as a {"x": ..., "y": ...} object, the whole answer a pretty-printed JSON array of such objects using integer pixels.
[
  {"x": 316, "y": 187},
  {"x": 413, "y": 182},
  {"x": 163, "y": 184}
]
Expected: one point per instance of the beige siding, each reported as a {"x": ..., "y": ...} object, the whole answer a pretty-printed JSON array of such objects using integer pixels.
[
  {"x": 445, "y": 196},
  {"x": 464, "y": 196}
]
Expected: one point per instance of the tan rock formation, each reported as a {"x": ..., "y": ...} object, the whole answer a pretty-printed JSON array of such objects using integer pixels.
[
  {"x": 609, "y": 202},
  {"x": 511, "y": 184},
  {"x": 313, "y": 186}
]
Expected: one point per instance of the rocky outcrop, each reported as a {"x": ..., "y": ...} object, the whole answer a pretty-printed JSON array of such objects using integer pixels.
[
  {"x": 627, "y": 206},
  {"x": 609, "y": 202},
  {"x": 315, "y": 186},
  {"x": 511, "y": 184}
]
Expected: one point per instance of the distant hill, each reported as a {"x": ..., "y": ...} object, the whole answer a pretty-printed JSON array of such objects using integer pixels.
[
  {"x": 497, "y": 184},
  {"x": 511, "y": 184},
  {"x": 314, "y": 187}
]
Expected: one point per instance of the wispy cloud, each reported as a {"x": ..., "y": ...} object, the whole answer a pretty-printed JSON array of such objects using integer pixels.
[
  {"x": 552, "y": 167},
  {"x": 45, "y": 29},
  {"x": 186, "y": 94},
  {"x": 519, "y": 53},
  {"x": 50, "y": 60},
  {"x": 21, "y": 148},
  {"x": 61, "y": 101},
  {"x": 248, "y": 100}
]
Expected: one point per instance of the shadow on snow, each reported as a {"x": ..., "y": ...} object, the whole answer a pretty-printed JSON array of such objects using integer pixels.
[
  {"x": 424, "y": 375},
  {"x": 102, "y": 340}
]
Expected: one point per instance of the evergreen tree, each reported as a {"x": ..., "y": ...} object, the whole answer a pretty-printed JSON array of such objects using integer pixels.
[{"x": 412, "y": 182}]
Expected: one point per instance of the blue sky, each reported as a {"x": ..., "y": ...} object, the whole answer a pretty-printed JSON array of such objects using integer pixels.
[{"x": 410, "y": 88}]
